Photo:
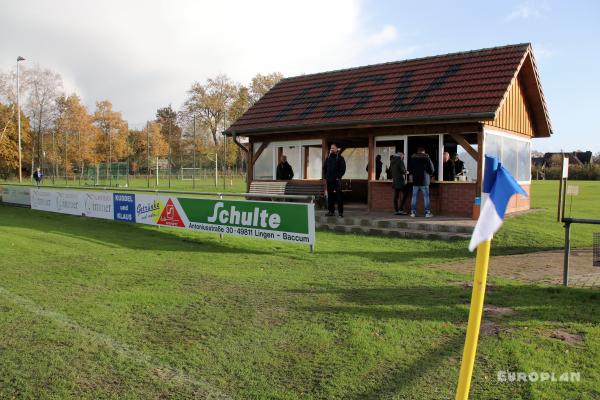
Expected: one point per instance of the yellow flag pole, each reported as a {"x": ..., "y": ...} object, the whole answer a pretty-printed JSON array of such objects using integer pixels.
[{"x": 475, "y": 313}]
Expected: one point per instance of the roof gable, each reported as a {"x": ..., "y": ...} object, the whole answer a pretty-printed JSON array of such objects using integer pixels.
[{"x": 453, "y": 87}]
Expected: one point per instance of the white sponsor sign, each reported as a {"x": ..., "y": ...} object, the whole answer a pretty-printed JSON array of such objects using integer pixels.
[
  {"x": 15, "y": 195},
  {"x": 98, "y": 204},
  {"x": 91, "y": 204},
  {"x": 159, "y": 210}
]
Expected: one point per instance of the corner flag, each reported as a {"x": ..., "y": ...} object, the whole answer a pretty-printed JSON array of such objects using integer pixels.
[{"x": 498, "y": 187}]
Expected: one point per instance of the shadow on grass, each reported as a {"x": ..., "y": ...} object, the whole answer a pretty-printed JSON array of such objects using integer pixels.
[
  {"x": 131, "y": 236},
  {"x": 449, "y": 303}
]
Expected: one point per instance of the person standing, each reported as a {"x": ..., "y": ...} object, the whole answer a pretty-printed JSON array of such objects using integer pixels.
[
  {"x": 284, "y": 170},
  {"x": 449, "y": 172},
  {"x": 38, "y": 176},
  {"x": 421, "y": 168},
  {"x": 459, "y": 165},
  {"x": 378, "y": 166},
  {"x": 398, "y": 170},
  {"x": 334, "y": 169}
]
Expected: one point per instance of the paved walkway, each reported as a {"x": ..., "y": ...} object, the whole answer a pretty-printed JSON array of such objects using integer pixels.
[{"x": 542, "y": 267}]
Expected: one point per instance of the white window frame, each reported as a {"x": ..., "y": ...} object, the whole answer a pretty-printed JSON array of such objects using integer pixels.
[
  {"x": 289, "y": 143},
  {"x": 487, "y": 131}
]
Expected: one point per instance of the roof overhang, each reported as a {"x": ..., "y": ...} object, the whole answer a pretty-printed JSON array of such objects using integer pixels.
[{"x": 361, "y": 124}]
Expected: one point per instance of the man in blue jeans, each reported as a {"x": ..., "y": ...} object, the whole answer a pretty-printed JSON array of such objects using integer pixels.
[{"x": 421, "y": 168}]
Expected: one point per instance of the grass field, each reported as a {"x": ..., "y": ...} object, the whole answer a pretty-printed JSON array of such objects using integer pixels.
[
  {"x": 235, "y": 184},
  {"x": 101, "y": 309}
]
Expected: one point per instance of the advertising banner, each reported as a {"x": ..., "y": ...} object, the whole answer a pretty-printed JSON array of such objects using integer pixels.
[
  {"x": 291, "y": 222},
  {"x": 15, "y": 195},
  {"x": 288, "y": 222},
  {"x": 90, "y": 204}
]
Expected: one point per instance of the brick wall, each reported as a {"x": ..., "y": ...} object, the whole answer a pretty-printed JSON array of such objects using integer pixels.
[
  {"x": 446, "y": 199},
  {"x": 520, "y": 203}
]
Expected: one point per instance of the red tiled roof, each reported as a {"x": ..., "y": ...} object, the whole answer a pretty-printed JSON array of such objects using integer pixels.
[{"x": 467, "y": 85}]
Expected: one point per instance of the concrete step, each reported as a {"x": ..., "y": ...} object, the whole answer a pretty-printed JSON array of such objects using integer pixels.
[
  {"x": 393, "y": 232},
  {"x": 401, "y": 222}
]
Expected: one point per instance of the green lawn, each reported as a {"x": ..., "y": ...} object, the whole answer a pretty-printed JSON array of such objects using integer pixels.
[
  {"x": 235, "y": 184},
  {"x": 100, "y": 309}
]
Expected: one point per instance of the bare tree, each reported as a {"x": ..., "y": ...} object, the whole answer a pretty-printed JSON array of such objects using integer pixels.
[
  {"x": 209, "y": 102},
  {"x": 43, "y": 86}
]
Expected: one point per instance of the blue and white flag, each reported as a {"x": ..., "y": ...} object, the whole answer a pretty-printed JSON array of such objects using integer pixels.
[{"x": 498, "y": 187}]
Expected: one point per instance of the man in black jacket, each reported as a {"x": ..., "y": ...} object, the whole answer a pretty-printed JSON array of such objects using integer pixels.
[
  {"x": 449, "y": 170},
  {"x": 398, "y": 172},
  {"x": 284, "y": 170},
  {"x": 333, "y": 171},
  {"x": 421, "y": 168}
]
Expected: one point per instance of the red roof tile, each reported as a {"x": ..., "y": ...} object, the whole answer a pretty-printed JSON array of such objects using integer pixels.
[{"x": 460, "y": 85}]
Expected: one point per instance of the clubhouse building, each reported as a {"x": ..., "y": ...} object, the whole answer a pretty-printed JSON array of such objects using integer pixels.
[{"x": 472, "y": 103}]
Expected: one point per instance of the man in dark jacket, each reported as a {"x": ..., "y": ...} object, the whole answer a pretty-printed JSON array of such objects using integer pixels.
[
  {"x": 38, "y": 176},
  {"x": 398, "y": 171},
  {"x": 333, "y": 171},
  {"x": 421, "y": 168},
  {"x": 284, "y": 170},
  {"x": 449, "y": 171}
]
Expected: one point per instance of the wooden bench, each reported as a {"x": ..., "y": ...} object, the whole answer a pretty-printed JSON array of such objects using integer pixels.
[
  {"x": 317, "y": 190},
  {"x": 273, "y": 188}
]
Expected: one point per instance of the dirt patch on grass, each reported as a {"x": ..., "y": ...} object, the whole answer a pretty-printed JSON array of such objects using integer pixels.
[
  {"x": 540, "y": 267},
  {"x": 567, "y": 337}
]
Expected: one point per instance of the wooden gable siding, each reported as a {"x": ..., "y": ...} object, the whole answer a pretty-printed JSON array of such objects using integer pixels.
[{"x": 514, "y": 113}]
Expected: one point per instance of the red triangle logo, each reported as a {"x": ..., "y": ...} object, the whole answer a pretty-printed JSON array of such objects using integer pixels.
[{"x": 170, "y": 216}]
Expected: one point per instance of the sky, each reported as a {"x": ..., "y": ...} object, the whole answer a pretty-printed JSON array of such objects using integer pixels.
[{"x": 143, "y": 55}]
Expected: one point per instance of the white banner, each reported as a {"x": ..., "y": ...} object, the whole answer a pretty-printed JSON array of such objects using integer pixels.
[
  {"x": 15, "y": 195},
  {"x": 91, "y": 204}
]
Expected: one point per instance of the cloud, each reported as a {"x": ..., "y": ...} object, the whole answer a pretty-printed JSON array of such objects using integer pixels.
[
  {"x": 387, "y": 34},
  {"x": 528, "y": 10},
  {"x": 143, "y": 55}
]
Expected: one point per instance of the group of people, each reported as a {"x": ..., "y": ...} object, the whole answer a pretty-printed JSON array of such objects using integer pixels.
[{"x": 414, "y": 177}]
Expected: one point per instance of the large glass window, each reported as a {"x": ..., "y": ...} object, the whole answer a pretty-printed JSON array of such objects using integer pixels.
[
  {"x": 356, "y": 159},
  {"x": 513, "y": 153},
  {"x": 263, "y": 167},
  {"x": 315, "y": 162}
]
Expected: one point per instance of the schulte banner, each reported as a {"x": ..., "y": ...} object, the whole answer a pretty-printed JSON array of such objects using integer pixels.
[{"x": 290, "y": 222}]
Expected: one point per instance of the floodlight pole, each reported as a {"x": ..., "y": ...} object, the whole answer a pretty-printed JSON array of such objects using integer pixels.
[
  {"x": 19, "y": 58},
  {"x": 194, "y": 154}
]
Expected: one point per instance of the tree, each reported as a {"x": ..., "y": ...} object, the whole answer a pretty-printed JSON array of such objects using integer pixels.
[
  {"x": 172, "y": 132},
  {"x": 240, "y": 104},
  {"x": 75, "y": 134},
  {"x": 9, "y": 151},
  {"x": 209, "y": 103},
  {"x": 42, "y": 87},
  {"x": 261, "y": 84},
  {"x": 112, "y": 133},
  {"x": 138, "y": 145}
]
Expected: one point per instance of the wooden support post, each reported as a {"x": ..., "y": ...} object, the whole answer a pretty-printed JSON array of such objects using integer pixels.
[
  {"x": 480, "y": 161},
  {"x": 250, "y": 166},
  {"x": 463, "y": 142}
]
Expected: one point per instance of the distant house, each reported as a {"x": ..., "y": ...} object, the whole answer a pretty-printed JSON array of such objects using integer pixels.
[
  {"x": 472, "y": 103},
  {"x": 575, "y": 158}
]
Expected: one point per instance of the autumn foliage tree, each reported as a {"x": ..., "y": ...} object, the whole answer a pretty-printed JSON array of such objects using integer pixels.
[
  {"x": 111, "y": 133},
  {"x": 9, "y": 153},
  {"x": 76, "y": 135}
]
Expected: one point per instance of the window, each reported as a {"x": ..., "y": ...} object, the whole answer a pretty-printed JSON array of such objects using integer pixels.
[
  {"x": 356, "y": 159},
  {"x": 315, "y": 162},
  {"x": 263, "y": 167},
  {"x": 513, "y": 152}
]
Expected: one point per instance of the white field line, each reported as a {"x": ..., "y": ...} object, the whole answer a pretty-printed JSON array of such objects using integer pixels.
[{"x": 204, "y": 390}]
